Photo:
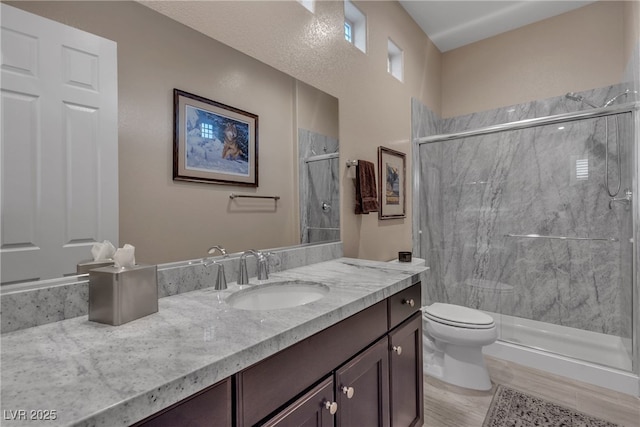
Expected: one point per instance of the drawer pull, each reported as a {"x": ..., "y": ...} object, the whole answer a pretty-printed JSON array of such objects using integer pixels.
[
  {"x": 331, "y": 406},
  {"x": 348, "y": 391},
  {"x": 409, "y": 302},
  {"x": 397, "y": 349}
]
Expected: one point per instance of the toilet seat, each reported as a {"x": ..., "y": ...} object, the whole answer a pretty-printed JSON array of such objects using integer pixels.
[{"x": 458, "y": 316}]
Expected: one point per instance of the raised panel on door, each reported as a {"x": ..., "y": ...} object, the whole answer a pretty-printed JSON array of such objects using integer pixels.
[
  {"x": 21, "y": 190},
  {"x": 309, "y": 410},
  {"x": 405, "y": 370},
  {"x": 366, "y": 380},
  {"x": 59, "y": 134}
]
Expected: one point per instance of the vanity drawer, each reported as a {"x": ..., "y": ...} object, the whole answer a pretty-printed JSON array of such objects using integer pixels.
[
  {"x": 210, "y": 407},
  {"x": 273, "y": 382},
  {"x": 403, "y": 304}
]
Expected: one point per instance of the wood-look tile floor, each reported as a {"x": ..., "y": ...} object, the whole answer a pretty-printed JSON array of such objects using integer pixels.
[{"x": 447, "y": 405}]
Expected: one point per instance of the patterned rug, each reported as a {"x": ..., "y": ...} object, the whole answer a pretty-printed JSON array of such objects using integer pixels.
[{"x": 512, "y": 408}]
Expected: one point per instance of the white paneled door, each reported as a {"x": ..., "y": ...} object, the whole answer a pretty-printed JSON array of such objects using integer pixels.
[{"x": 59, "y": 158}]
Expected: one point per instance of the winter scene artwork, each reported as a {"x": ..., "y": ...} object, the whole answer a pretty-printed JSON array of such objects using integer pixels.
[{"x": 214, "y": 142}]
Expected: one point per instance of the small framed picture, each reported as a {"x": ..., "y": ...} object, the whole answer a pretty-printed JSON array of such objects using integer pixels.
[
  {"x": 391, "y": 183},
  {"x": 213, "y": 142}
]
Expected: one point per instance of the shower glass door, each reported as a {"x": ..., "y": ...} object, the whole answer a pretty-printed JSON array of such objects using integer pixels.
[{"x": 521, "y": 224}]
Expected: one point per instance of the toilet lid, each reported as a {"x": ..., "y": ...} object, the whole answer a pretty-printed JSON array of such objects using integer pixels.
[{"x": 458, "y": 315}]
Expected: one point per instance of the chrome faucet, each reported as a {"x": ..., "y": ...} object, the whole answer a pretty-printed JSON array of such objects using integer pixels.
[
  {"x": 263, "y": 267},
  {"x": 221, "y": 280},
  {"x": 219, "y": 248}
]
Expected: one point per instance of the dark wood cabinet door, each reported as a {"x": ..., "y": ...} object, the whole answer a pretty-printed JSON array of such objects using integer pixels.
[
  {"x": 209, "y": 408},
  {"x": 405, "y": 362},
  {"x": 310, "y": 410},
  {"x": 362, "y": 389}
]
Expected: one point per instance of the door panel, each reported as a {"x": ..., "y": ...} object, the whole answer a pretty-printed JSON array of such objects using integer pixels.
[
  {"x": 405, "y": 362},
  {"x": 309, "y": 410},
  {"x": 59, "y": 167},
  {"x": 366, "y": 379}
]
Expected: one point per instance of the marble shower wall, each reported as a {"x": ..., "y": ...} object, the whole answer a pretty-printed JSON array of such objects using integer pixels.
[
  {"x": 319, "y": 188},
  {"x": 477, "y": 190}
]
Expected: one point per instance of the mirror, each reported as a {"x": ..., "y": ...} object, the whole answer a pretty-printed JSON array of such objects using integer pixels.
[{"x": 167, "y": 220}]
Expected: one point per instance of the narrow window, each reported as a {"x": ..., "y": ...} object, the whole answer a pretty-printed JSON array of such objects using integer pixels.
[
  {"x": 310, "y": 5},
  {"x": 348, "y": 33},
  {"x": 355, "y": 26},
  {"x": 395, "y": 65}
]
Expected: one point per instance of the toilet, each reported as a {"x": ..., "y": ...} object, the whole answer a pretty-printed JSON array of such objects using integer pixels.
[{"x": 454, "y": 337}]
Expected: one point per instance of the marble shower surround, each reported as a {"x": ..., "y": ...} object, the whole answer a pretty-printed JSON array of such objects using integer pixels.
[
  {"x": 476, "y": 190},
  {"x": 25, "y": 308},
  {"x": 319, "y": 183}
]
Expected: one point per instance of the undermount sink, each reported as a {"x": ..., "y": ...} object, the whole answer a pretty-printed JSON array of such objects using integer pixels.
[{"x": 272, "y": 296}]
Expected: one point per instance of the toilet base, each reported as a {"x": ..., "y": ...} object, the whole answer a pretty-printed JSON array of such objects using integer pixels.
[{"x": 462, "y": 366}]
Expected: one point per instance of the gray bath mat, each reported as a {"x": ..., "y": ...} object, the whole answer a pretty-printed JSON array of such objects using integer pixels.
[{"x": 512, "y": 408}]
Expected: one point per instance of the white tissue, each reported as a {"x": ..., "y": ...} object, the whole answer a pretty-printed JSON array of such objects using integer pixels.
[
  {"x": 103, "y": 251},
  {"x": 125, "y": 257}
]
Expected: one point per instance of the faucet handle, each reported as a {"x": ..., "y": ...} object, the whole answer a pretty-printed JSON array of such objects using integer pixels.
[
  {"x": 219, "y": 248},
  {"x": 221, "y": 280},
  {"x": 243, "y": 274},
  {"x": 263, "y": 267}
]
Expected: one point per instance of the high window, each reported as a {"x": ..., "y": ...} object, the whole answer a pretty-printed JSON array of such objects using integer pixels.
[
  {"x": 310, "y": 5},
  {"x": 355, "y": 26},
  {"x": 395, "y": 65}
]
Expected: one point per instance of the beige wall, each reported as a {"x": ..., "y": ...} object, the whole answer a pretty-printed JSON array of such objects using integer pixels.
[
  {"x": 631, "y": 13},
  {"x": 168, "y": 220},
  {"x": 374, "y": 108},
  {"x": 579, "y": 50},
  {"x": 550, "y": 58}
]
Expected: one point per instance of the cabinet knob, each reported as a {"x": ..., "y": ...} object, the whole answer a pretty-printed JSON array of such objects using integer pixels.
[
  {"x": 397, "y": 349},
  {"x": 331, "y": 406},
  {"x": 348, "y": 391},
  {"x": 410, "y": 302}
]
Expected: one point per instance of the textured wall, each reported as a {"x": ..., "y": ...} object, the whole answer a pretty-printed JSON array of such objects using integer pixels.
[
  {"x": 375, "y": 108},
  {"x": 167, "y": 220}
]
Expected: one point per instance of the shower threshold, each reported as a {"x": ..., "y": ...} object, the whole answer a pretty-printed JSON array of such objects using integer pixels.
[{"x": 608, "y": 350}]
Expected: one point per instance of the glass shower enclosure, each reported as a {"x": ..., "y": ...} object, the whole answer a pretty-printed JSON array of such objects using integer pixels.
[{"x": 533, "y": 222}]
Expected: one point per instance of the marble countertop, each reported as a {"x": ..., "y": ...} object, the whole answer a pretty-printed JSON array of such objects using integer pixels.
[{"x": 89, "y": 374}]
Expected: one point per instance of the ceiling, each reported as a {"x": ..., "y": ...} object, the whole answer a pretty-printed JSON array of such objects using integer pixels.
[{"x": 453, "y": 23}]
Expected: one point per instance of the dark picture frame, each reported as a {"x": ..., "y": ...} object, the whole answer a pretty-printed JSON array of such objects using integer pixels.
[
  {"x": 213, "y": 143},
  {"x": 392, "y": 195}
]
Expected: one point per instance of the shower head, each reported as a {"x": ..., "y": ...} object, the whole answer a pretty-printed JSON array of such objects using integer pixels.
[
  {"x": 579, "y": 98},
  {"x": 625, "y": 93}
]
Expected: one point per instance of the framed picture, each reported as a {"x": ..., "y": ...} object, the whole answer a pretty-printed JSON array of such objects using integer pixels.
[
  {"x": 391, "y": 183},
  {"x": 213, "y": 142}
]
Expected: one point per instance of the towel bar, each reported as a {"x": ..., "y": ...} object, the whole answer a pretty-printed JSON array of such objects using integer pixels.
[{"x": 249, "y": 196}]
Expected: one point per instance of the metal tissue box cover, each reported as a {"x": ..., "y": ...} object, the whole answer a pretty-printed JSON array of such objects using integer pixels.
[{"x": 120, "y": 295}]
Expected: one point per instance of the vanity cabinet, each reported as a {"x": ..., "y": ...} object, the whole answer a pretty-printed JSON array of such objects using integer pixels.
[
  {"x": 363, "y": 371},
  {"x": 405, "y": 372},
  {"x": 314, "y": 409},
  {"x": 362, "y": 388},
  {"x": 210, "y": 407},
  {"x": 371, "y": 363}
]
